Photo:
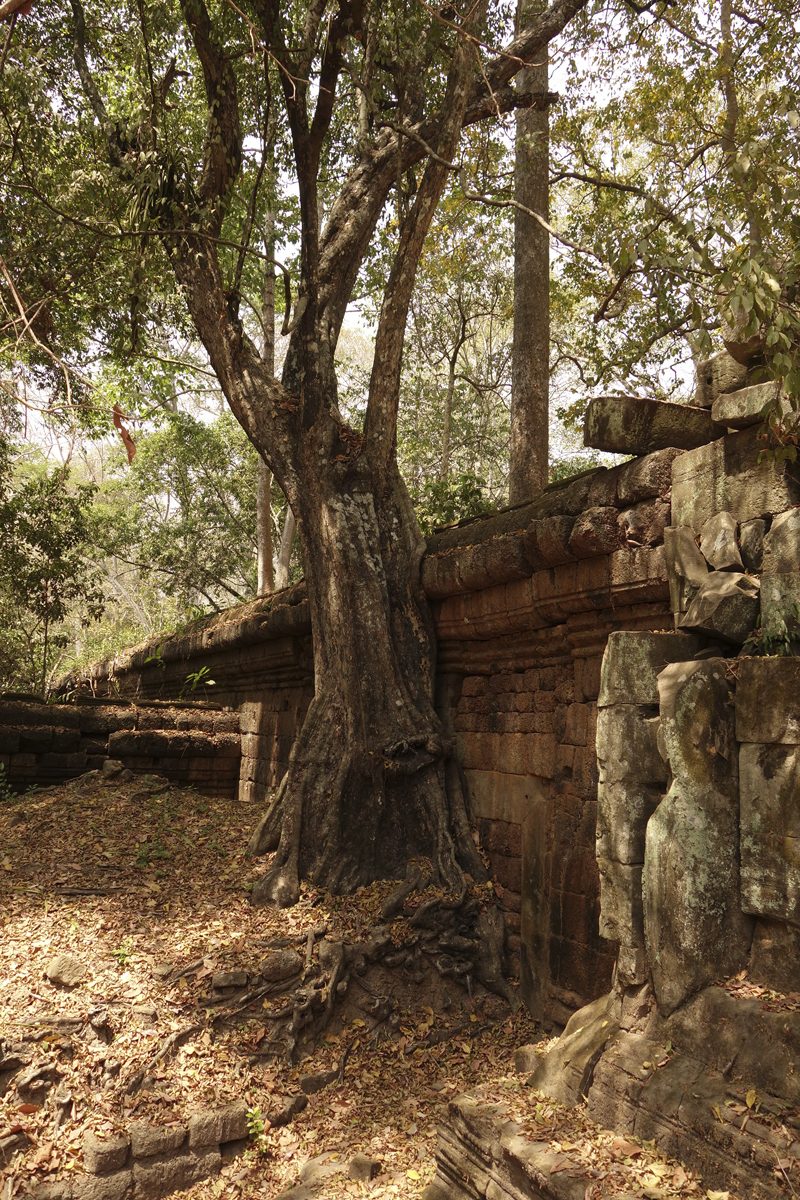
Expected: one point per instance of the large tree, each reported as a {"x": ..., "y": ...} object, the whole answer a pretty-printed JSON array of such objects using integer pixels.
[{"x": 374, "y": 97}]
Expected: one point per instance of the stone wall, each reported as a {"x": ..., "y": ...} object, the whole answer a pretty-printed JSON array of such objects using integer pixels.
[
  {"x": 524, "y": 602},
  {"x": 47, "y": 744}
]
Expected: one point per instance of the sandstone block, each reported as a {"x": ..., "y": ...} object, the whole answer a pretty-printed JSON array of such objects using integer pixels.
[
  {"x": 628, "y": 425},
  {"x": 623, "y": 810},
  {"x": 717, "y": 376},
  {"x": 686, "y": 566},
  {"x": 546, "y": 541},
  {"x": 718, "y": 543},
  {"x": 280, "y": 965},
  {"x": 726, "y": 606},
  {"x": 66, "y": 970},
  {"x": 782, "y": 544},
  {"x": 103, "y": 1187},
  {"x": 595, "y": 531},
  {"x": 769, "y": 783},
  {"x": 218, "y": 1125},
  {"x": 738, "y": 410},
  {"x": 158, "y": 1177},
  {"x": 646, "y": 478},
  {"x": 633, "y": 661},
  {"x": 751, "y": 544},
  {"x": 632, "y": 965},
  {"x": 695, "y": 930},
  {"x": 148, "y": 1140},
  {"x": 101, "y": 1155},
  {"x": 727, "y": 476},
  {"x": 768, "y": 700},
  {"x": 644, "y": 524},
  {"x": 621, "y": 918},
  {"x": 627, "y": 745}
]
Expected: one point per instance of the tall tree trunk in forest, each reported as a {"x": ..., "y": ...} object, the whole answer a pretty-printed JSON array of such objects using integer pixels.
[
  {"x": 530, "y": 367},
  {"x": 266, "y": 580},
  {"x": 365, "y": 790}
]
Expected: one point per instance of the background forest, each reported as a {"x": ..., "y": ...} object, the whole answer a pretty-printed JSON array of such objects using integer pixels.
[{"x": 129, "y": 493}]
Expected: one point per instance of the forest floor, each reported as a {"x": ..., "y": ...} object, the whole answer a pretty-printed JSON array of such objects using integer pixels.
[{"x": 148, "y": 889}]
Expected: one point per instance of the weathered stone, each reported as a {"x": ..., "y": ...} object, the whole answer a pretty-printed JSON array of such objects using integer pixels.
[
  {"x": 595, "y": 531},
  {"x": 217, "y": 1125},
  {"x": 686, "y": 567},
  {"x": 726, "y": 475},
  {"x": 363, "y": 1168},
  {"x": 621, "y": 917},
  {"x": 646, "y": 478},
  {"x": 229, "y": 979},
  {"x": 738, "y": 410},
  {"x": 527, "y": 1059},
  {"x": 627, "y": 745},
  {"x": 103, "y": 1187},
  {"x": 751, "y": 544},
  {"x": 111, "y": 768},
  {"x": 718, "y": 543},
  {"x": 634, "y": 659},
  {"x": 726, "y": 607},
  {"x": 101, "y": 1155},
  {"x": 323, "y": 1167},
  {"x": 623, "y": 810},
  {"x": 546, "y": 541},
  {"x": 767, "y": 704},
  {"x": 644, "y": 524},
  {"x": 311, "y": 1084},
  {"x": 158, "y": 1177},
  {"x": 718, "y": 376},
  {"x": 780, "y": 607},
  {"x": 280, "y": 965},
  {"x": 148, "y": 1140},
  {"x": 782, "y": 544},
  {"x": 775, "y": 956},
  {"x": 628, "y": 425},
  {"x": 695, "y": 930},
  {"x": 632, "y": 966},
  {"x": 66, "y": 970},
  {"x": 565, "y": 1073},
  {"x": 769, "y": 784}
]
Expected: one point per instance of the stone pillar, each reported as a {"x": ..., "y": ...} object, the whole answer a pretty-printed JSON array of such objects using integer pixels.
[{"x": 695, "y": 930}]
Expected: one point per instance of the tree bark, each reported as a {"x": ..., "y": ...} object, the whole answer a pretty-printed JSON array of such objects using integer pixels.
[
  {"x": 366, "y": 787},
  {"x": 530, "y": 368}
]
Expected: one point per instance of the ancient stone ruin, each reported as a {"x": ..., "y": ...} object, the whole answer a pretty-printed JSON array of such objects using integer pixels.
[
  {"x": 698, "y": 737},
  {"x": 616, "y": 670}
]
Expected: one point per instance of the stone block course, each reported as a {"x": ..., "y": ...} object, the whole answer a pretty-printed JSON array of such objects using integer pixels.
[
  {"x": 157, "y": 1177},
  {"x": 726, "y": 476}
]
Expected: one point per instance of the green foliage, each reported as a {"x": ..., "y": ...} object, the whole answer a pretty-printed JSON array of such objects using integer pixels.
[
  {"x": 777, "y": 637},
  {"x": 7, "y": 793},
  {"x": 443, "y": 501},
  {"x": 185, "y": 511},
  {"x": 45, "y": 569}
]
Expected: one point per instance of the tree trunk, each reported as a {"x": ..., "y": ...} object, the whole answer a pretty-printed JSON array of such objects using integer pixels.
[
  {"x": 266, "y": 582},
  {"x": 530, "y": 368},
  {"x": 285, "y": 551},
  {"x": 365, "y": 789}
]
